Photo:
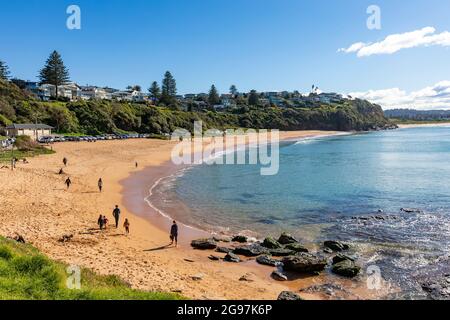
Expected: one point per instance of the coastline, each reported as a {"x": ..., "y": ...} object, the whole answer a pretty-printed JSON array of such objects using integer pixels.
[
  {"x": 37, "y": 206},
  {"x": 426, "y": 125}
]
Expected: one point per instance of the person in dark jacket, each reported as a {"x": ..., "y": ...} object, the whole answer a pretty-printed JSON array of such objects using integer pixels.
[
  {"x": 174, "y": 233},
  {"x": 116, "y": 215}
]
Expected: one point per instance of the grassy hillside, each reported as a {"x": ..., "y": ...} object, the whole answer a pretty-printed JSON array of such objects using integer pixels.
[
  {"x": 97, "y": 117},
  {"x": 25, "y": 274}
]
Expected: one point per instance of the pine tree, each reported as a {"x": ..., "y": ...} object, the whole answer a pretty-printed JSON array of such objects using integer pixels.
[
  {"x": 253, "y": 98},
  {"x": 169, "y": 89},
  {"x": 54, "y": 72},
  {"x": 4, "y": 71},
  {"x": 233, "y": 90},
  {"x": 155, "y": 91},
  {"x": 213, "y": 97}
]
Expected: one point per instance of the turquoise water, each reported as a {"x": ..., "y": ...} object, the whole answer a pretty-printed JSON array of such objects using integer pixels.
[{"x": 324, "y": 185}]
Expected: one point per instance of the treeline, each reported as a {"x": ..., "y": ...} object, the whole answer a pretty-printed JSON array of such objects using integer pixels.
[
  {"x": 418, "y": 115},
  {"x": 97, "y": 117}
]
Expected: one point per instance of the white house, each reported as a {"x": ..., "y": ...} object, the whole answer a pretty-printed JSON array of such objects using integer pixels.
[{"x": 34, "y": 131}]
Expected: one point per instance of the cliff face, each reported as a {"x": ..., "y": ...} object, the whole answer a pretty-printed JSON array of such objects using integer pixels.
[{"x": 96, "y": 117}]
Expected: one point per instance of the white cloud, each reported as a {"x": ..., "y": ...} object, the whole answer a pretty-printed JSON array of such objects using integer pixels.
[
  {"x": 429, "y": 98},
  {"x": 425, "y": 37}
]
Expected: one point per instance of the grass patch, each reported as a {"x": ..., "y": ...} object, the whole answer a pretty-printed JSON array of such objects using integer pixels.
[{"x": 26, "y": 274}]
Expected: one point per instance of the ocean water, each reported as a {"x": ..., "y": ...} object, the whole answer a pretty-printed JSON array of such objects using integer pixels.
[{"x": 350, "y": 188}]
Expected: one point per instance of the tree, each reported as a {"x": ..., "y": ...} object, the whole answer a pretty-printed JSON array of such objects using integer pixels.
[
  {"x": 155, "y": 91},
  {"x": 136, "y": 87},
  {"x": 54, "y": 72},
  {"x": 4, "y": 71},
  {"x": 233, "y": 90},
  {"x": 253, "y": 98},
  {"x": 169, "y": 89},
  {"x": 213, "y": 97}
]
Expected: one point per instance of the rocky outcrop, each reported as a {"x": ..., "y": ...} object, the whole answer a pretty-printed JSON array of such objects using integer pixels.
[
  {"x": 240, "y": 239},
  {"x": 252, "y": 250},
  {"x": 296, "y": 247},
  {"x": 286, "y": 238},
  {"x": 271, "y": 243},
  {"x": 204, "y": 244},
  {"x": 289, "y": 296},
  {"x": 336, "y": 246},
  {"x": 231, "y": 257},
  {"x": 438, "y": 289},
  {"x": 346, "y": 268},
  {"x": 304, "y": 263},
  {"x": 342, "y": 257},
  {"x": 223, "y": 249},
  {"x": 281, "y": 252},
  {"x": 279, "y": 276},
  {"x": 268, "y": 261}
]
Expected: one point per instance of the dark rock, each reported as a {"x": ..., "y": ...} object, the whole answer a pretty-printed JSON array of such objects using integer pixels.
[
  {"x": 247, "y": 277},
  {"x": 231, "y": 257},
  {"x": 342, "y": 257},
  {"x": 410, "y": 210},
  {"x": 281, "y": 252},
  {"x": 213, "y": 258},
  {"x": 327, "y": 250},
  {"x": 289, "y": 296},
  {"x": 268, "y": 261},
  {"x": 223, "y": 249},
  {"x": 271, "y": 243},
  {"x": 297, "y": 247},
  {"x": 286, "y": 238},
  {"x": 252, "y": 250},
  {"x": 277, "y": 275},
  {"x": 438, "y": 289},
  {"x": 240, "y": 239},
  {"x": 336, "y": 246},
  {"x": 304, "y": 263},
  {"x": 204, "y": 244},
  {"x": 18, "y": 238},
  {"x": 198, "y": 277},
  {"x": 346, "y": 268},
  {"x": 189, "y": 260}
]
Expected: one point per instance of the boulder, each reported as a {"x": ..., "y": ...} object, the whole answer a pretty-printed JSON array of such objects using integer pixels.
[
  {"x": 336, "y": 246},
  {"x": 346, "y": 268},
  {"x": 204, "y": 244},
  {"x": 252, "y": 250},
  {"x": 304, "y": 263},
  {"x": 297, "y": 247},
  {"x": 268, "y": 261},
  {"x": 286, "y": 238},
  {"x": 223, "y": 249},
  {"x": 289, "y": 296},
  {"x": 281, "y": 252},
  {"x": 271, "y": 243},
  {"x": 277, "y": 275},
  {"x": 231, "y": 257},
  {"x": 342, "y": 257},
  {"x": 240, "y": 239},
  {"x": 438, "y": 289},
  {"x": 213, "y": 258}
]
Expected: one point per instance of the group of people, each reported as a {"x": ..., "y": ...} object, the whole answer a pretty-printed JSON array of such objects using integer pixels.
[{"x": 103, "y": 221}]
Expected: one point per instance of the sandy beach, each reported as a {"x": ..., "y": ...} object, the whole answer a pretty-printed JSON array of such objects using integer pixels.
[{"x": 36, "y": 204}]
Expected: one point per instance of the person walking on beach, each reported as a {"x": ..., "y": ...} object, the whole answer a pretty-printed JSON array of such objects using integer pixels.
[
  {"x": 126, "y": 225},
  {"x": 100, "y": 184},
  {"x": 136, "y": 164},
  {"x": 174, "y": 233},
  {"x": 105, "y": 221},
  {"x": 116, "y": 215},
  {"x": 65, "y": 162},
  {"x": 68, "y": 183},
  {"x": 101, "y": 222}
]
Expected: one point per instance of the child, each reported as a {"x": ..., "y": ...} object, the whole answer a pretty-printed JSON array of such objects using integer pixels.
[
  {"x": 126, "y": 225},
  {"x": 105, "y": 221}
]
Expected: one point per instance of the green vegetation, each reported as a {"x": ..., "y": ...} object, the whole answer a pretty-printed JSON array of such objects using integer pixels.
[
  {"x": 25, "y": 274},
  {"x": 4, "y": 70},
  {"x": 24, "y": 148},
  {"x": 98, "y": 117}
]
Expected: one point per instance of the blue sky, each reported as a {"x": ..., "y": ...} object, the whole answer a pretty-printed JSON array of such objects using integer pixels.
[{"x": 254, "y": 44}]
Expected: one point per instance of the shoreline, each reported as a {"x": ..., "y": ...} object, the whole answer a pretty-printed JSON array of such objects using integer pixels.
[
  {"x": 36, "y": 205},
  {"x": 423, "y": 125}
]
